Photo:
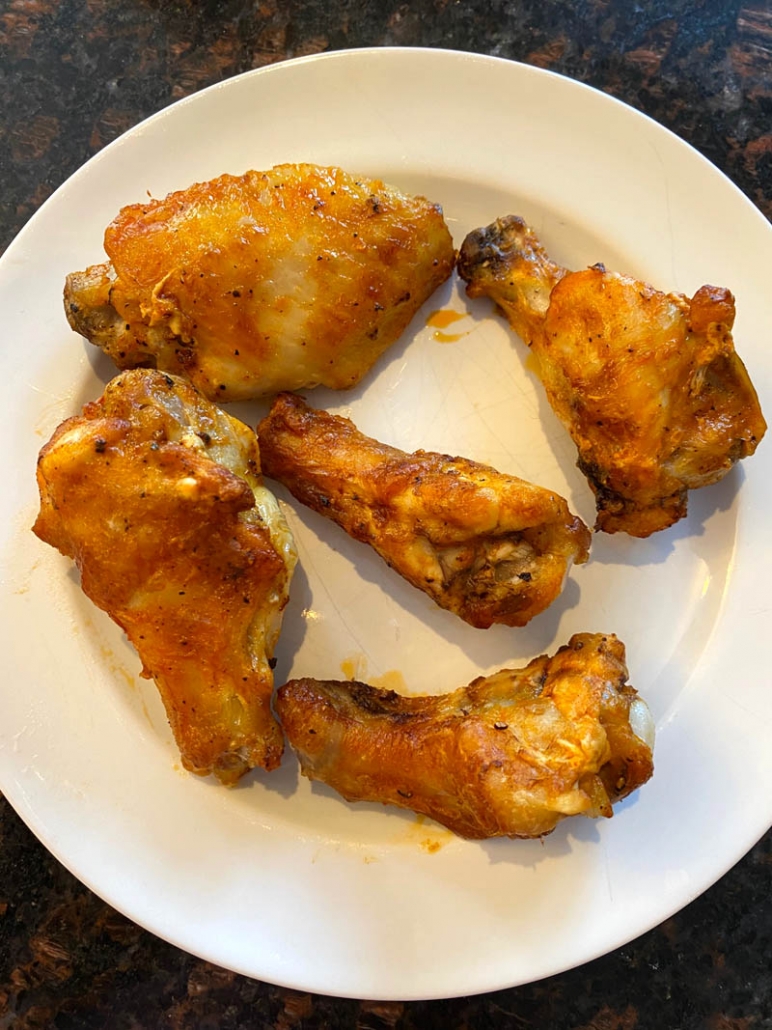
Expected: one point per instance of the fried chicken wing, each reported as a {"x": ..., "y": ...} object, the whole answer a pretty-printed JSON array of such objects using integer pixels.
[
  {"x": 156, "y": 495},
  {"x": 647, "y": 383},
  {"x": 489, "y": 547},
  {"x": 267, "y": 281},
  {"x": 510, "y": 755}
]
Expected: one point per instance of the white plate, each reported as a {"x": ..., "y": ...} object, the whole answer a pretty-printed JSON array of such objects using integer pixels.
[{"x": 286, "y": 882}]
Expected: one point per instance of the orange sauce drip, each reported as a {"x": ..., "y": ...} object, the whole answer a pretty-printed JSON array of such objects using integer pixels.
[
  {"x": 441, "y": 319},
  {"x": 431, "y": 846},
  {"x": 429, "y": 836},
  {"x": 444, "y": 317},
  {"x": 355, "y": 667}
]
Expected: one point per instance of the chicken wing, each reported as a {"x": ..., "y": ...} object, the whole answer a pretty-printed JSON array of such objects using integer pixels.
[
  {"x": 156, "y": 494},
  {"x": 489, "y": 547},
  {"x": 268, "y": 281},
  {"x": 647, "y": 383},
  {"x": 510, "y": 755}
]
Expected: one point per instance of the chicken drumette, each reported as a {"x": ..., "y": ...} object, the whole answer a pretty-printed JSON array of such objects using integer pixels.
[
  {"x": 487, "y": 546},
  {"x": 156, "y": 494},
  {"x": 267, "y": 281},
  {"x": 509, "y": 755},
  {"x": 647, "y": 383}
]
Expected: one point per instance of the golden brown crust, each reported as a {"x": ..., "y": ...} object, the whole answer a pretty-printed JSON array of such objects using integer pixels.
[
  {"x": 647, "y": 383},
  {"x": 489, "y": 547},
  {"x": 170, "y": 542},
  {"x": 268, "y": 281},
  {"x": 509, "y": 755}
]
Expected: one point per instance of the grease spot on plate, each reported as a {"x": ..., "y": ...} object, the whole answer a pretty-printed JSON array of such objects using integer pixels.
[
  {"x": 119, "y": 670},
  {"x": 114, "y": 665},
  {"x": 428, "y": 835},
  {"x": 532, "y": 363},
  {"x": 390, "y": 680},
  {"x": 354, "y": 667},
  {"x": 24, "y": 584}
]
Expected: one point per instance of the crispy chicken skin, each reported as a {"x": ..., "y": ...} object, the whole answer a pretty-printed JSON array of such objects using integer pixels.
[
  {"x": 156, "y": 495},
  {"x": 267, "y": 281},
  {"x": 489, "y": 547},
  {"x": 647, "y": 383},
  {"x": 510, "y": 755}
]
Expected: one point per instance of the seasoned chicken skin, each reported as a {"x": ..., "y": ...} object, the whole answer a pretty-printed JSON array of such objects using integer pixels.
[
  {"x": 647, "y": 383},
  {"x": 267, "y": 281},
  {"x": 489, "y": 547},
  {"x": 156, "y": 495},
  {"x": 510, "y": 755}
]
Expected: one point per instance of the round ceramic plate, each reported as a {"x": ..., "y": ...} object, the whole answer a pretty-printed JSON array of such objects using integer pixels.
[{"x": 284, "y": 881}]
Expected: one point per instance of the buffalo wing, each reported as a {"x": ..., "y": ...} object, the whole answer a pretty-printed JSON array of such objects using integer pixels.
[
  {"x": 490, "y": 547},
  {"x": 647, "y": 383},
  {"x": 510, "y": 755},
  {"x": 156, "y": 495},
  {"x": 267, "y": 281}
]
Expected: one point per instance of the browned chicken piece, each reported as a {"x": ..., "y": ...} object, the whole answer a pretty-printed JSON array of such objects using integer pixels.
[
  {"x": 156, "y": 494},
  {"x": 508, "y": 756},
  {"x": 489, "y": 547},
  {"x": 267, "y": 281},
  {"x": 647, "y": 383}
]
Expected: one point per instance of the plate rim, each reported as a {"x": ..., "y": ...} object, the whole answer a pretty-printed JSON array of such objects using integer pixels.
[
  {"x": 29, "y": 816},
  {"x": 377, "y": 51}
]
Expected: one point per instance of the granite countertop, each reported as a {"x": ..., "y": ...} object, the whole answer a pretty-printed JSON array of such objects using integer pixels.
[{"x": 77, "y": 73}]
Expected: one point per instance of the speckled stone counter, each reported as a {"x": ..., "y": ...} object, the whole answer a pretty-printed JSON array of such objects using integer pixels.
[{"x": 77, "y": 73}]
